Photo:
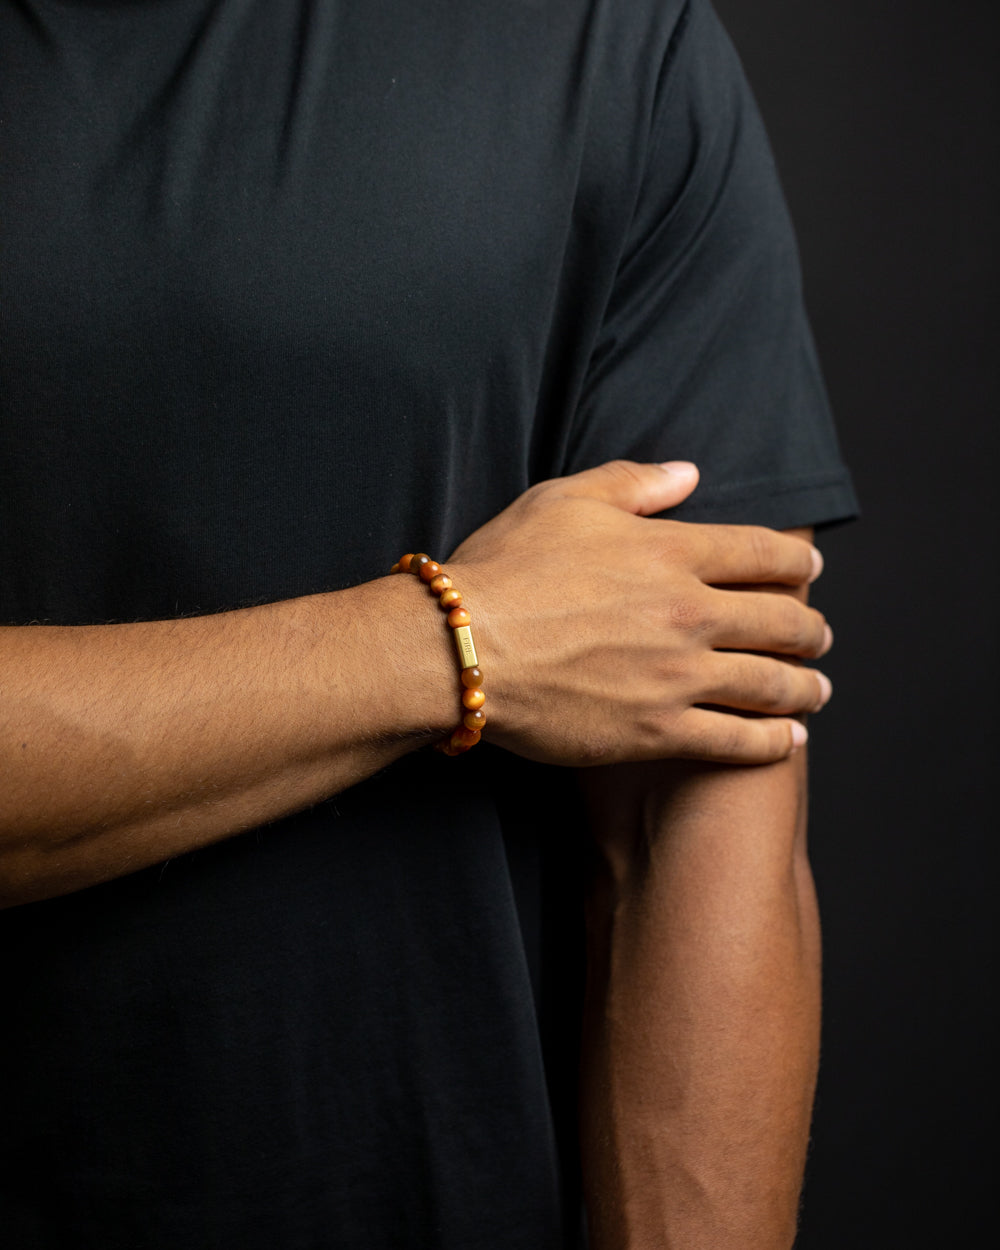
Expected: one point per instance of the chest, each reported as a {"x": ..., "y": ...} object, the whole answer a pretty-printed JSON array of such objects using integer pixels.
[
  {"x": 347, "y": 180},
  {"x": 276, "y": 272}
]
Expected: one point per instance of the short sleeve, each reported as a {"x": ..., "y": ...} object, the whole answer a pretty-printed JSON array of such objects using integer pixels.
[{"x": 704, "y": 352}]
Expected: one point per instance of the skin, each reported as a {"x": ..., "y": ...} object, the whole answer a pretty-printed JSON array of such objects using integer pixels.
[
  {"x": 702, "y": 1020},
  {"x": 184, "y": 732},
  {"x": 606, "y": 630}
]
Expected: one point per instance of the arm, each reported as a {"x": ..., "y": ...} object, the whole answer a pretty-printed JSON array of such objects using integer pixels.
[
  {"x": 122, "y": 745},
  {"x": 701, "y": 1034}
]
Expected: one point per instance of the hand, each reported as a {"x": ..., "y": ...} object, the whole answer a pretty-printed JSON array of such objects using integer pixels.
[{"x": 608, "y": 635}]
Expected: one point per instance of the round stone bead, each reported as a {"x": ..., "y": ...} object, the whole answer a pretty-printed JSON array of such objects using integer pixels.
[
  {"x": 450, "y": 598},
  {"x": 474, "y": 720},
  {"x": 473, "y": 699},
  {"x": 472, "y": 677},
  {"x": 418, "y": 561},
  {"x": 458, "y": 617},
  {"x": 464, "y": 738},
  {"x": 441, "y": 583},
  {"x": 404, "y": 562},
  {"x": 429, "y": 571}
]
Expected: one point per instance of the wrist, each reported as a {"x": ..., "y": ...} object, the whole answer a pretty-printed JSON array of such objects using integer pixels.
[
  {"x": 499, "y": 646},
  {"x": 449, "y": 599},
  {"x": 410, "y": 662}
]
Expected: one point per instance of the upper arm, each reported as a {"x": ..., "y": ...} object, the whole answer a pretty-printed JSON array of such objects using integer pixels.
[{"x": 704, "y": 352}]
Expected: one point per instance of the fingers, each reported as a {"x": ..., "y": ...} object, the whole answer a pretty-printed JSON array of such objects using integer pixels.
[
  {"x": 727, "y": 739},
  {"x": 774, "y": 689},
  {"x": 642, "y": 489},
  {"x": 735, "y": 554},
  {"x": 755, "y": 683},
  {"x": 746, "y": 620}
]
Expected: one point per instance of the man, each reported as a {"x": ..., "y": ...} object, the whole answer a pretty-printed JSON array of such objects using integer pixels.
[{"x": 293, "y": 289}]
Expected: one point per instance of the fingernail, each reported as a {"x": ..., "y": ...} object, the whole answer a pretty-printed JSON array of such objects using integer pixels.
[
  {"x": 825, "y": 688},
  {"x": 679, "y": 468},
  {"x": 827, "y": 640},
  {"x": 817, "y": 565},
  {"x": 800, "y": 735}
]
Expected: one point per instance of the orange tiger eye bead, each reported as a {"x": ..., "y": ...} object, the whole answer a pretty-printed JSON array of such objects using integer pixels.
[
  {"x": 462, "y": 739},
  {"x": 467, "y": 734}
]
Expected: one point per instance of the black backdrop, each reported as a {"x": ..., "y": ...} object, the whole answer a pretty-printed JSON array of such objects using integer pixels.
[{"x": 884, "y": 116}]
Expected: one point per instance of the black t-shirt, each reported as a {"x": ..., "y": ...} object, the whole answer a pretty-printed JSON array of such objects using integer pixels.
[{"x": 287, "y": 288}]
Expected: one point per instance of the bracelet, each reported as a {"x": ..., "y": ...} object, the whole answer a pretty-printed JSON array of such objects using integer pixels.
[{"x": 437, "y": 581}]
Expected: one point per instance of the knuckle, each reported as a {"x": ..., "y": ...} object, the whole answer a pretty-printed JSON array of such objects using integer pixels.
[
  {"x": 760, "y": 552},
  {"x": 689, "y": 615},
  {"x": 754, "y": 740},
  {"x": 775, "y": 740},
  {"x": 765, "y": 740},
  {"x": 807, "y": 693},
  {"x": 657, "y": 726},
  {"x": 800, "y": 691},
  {"x": 812, "y": 633},
  {"x": 673, "y": 672},
  {"x": 796, "y": 627},
  {"x": 791, "y": 558},
  {"x": 673, "y": 544},
  {"x": 782, "y": 691},
  {"x": 732, "y": 738}
]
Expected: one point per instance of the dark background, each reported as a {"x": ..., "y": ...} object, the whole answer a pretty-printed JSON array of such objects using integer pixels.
[{"x": 884, "y": 117}]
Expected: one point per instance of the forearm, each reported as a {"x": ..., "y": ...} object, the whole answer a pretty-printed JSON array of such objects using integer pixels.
[
  {"x": 703, "y": 1009},
  {"x": 123, "y": 745}
]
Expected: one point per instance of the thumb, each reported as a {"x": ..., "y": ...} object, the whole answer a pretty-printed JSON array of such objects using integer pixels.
[{"x": 643, "y": 489}]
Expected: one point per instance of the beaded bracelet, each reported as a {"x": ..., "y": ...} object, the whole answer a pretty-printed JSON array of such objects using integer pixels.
[{"x": 467, "y": 734}]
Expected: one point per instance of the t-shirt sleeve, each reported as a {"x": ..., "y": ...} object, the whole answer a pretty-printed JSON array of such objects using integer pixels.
[{"x": 705, "y": 352}]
